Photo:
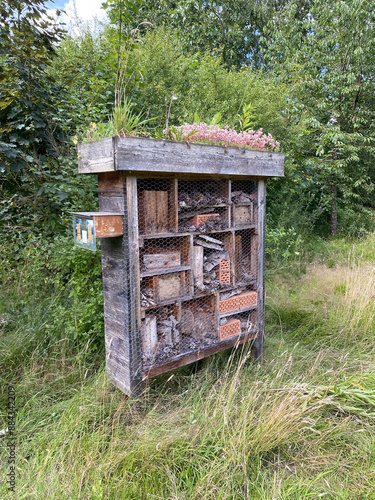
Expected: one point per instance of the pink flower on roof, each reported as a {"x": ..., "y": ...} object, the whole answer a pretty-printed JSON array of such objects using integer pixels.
[{"x": 198, "y": 132}]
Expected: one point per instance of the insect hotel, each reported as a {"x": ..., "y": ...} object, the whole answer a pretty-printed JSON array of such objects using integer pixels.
[{"x": 182, "y": 229}]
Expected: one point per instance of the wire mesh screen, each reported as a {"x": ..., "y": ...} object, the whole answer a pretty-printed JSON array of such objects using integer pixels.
[{"x": 198, "y": 248}]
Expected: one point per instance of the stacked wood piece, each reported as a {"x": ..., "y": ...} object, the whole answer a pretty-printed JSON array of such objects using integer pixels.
[
  {"x": 209, "y": 264},
  {"x": 194, "y": 200}
]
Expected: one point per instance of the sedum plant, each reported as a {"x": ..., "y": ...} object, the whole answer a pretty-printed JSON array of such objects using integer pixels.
[{"x": 213, "y": 134}]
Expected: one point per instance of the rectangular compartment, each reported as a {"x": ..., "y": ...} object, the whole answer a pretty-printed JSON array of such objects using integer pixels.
[
  {"x": 160, "y": 335},
  {"x": 165, "y": 288},
  {"x": 203, "y": 205},
  {"x": 244, "y": 200},
  {"x": 213, "y": 261},
  {"x": 246, "y": 256},
  {"x": 214, "y": 219},
  {"x": 163, "y": 254},
  {"x": 198, "y": 325},
  {"x": 157, "y": 206},
  {"x": 245, "y": 323}
]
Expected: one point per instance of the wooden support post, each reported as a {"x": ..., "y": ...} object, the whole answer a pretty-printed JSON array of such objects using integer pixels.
[
  {"x": 134, "y": 281},
  {"x": 121, "y": 282},
  {"x": 261, "y": 209},
  {"x": 114, "y": 265}
]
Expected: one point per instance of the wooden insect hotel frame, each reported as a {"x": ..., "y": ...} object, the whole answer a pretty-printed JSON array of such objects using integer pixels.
[{"x": 182, "y": 230}]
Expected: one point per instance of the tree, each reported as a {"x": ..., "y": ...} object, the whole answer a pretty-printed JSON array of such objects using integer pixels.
[
  {"x": 36, "y": 163},
  {"x": 231, "y": 28},
  {"x": 28, "y": 38},
  {"x": 327, "y": 57}
]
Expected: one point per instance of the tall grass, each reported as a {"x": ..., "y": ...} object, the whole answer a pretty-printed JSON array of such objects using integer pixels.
[{"x": 299, "y": 425}]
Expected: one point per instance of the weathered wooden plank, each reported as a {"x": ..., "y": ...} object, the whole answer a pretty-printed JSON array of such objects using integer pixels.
[
  {"x": 111, "y": 203},
  {"x": 111, "y": 183},
  {"x": 185, "y": 359},
  {"x": 198, "y": 263},
  {"x": 118, "y": 371},
  {"x": 238, "y": 258},
  {"x": 142, "y": 154},
  {"x": 115, "y": 306},
  {"x": 173, "y": 206},
  {"x": 96, "y": 156},
  {"x": 149, "y": 334},
  {"x": 115, "y": 328},
  {"x": 163, "y": 260},
  {"x": 119, "y": 376},
  {"x": 261, "y": 266},
  {"x": 153, "y": 212},
  {"x": 116, "y": 312},
  {"x": 134, "y": 280},
  {"x": 150, "y": 155}
]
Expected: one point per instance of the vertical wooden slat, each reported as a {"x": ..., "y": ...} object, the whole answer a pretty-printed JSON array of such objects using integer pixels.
[
  {"x": 133, "y": 279},
  {"x": 230, "y": 245},
  {"x": 116, "y": 306},
  {"x": 258, "y": 345},
  {"x": 173, "y": 206},
  {"x": 238, "y": 258},
  {"x": 216, "y": 312},
  {"x": 231, "y": 222}
]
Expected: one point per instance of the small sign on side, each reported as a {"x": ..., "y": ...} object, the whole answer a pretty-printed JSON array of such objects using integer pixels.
[{"x": 84, "y": 232}]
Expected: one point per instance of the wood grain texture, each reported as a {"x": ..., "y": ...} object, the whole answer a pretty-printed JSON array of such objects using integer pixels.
[
  {"x": 110, "y": 183},
  {"x": 115, "y": 292},
  {"x": 96, "y": 156},
  {"x": 131, "y": 238},
  {"x": 150, "y": 155},
  {"x": 261, "y": 265},
  {"x": 116, "y": 312},
  {"x": 153, "y": 212},
  {"x": 107, "y": 226},
  {"x": 185, "y": 359}
]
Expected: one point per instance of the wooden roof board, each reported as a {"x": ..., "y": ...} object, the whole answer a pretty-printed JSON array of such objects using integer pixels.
[{"x": 138, "y": 154}]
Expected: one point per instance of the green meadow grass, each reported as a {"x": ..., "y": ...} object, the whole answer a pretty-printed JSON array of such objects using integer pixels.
[{"x": 301, "y": 424}]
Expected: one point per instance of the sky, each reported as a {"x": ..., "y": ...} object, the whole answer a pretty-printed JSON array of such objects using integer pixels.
[{"x": 86, "y": 9}]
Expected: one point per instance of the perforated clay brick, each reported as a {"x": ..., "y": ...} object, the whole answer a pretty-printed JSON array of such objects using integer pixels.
[
  {"x": 230, "y": 329},
  {"x": 242, "y": 301},
  {"x": 197, "y": 220}
]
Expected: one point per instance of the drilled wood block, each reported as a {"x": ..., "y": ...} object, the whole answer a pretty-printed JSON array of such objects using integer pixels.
[
  {"x": 169, "y": 286},
  {"x": 163, "y": 260},
  {"x": 243, "y": 215},
  {"x": 230, "y": 329}
]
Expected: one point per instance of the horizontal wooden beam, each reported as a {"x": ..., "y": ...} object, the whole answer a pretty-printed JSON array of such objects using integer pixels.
[
  {"x": 186, "y": 359},
  {"x": 96, "y": 156},
  {"x": 134, "y": 154}
]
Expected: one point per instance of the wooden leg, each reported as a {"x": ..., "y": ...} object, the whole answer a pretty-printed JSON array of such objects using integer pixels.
[{"x": 257, "y": 350}]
